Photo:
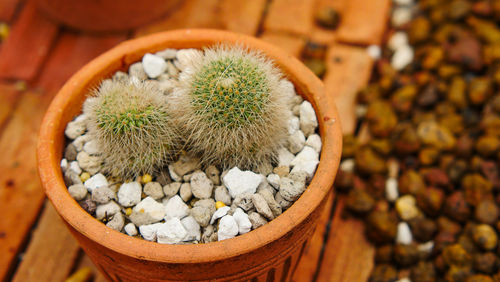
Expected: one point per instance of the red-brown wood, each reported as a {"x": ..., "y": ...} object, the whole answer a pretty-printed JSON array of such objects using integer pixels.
[
  {"x": 348, "y": 70},
  {"x": 191, "y": 14},
  {"x": 293, "y": 44},
  {"x": 106, "y": 15},
  {"x": 290, "y": 16},
  {"x": 275, "y": 245},
  {"x": 8, "y": 9},
  {"x": 26, "y": 48},
  {"x": 364, "y": 21}
]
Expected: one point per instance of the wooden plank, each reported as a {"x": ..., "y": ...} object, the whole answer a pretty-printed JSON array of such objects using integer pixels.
[
  {"x": 290, "y": 43},
  {"x": 27, "y": 46},
  {"x": 9, "y": 94},
  {"x": 348, "y": 70},
  {"x": 308, "y": 264},
  {"x": 191, "y": 14},
  {"x": 348, "y": 255},
  {"x": 364, "y": 21},
  {"x": 71, "y": 53},
  {"x": 8, "y": 9},
  {"x": 51, "y": 252},
  {"x": 322, "y": 35},
  {"x": 290, "y": 16},
  {"x": 242, "y": 16},
  {"x": 21, "y": 195}
]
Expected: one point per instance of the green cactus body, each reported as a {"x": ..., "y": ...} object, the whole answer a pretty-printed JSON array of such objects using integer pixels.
[
  {"x": 232, "y": 107},
  {"x": 133, "y": 128}
]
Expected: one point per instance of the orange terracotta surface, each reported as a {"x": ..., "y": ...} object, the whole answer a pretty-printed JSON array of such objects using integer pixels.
[
  {"x": 105, "y": 15},
  {"x": 268, "y": 253}
]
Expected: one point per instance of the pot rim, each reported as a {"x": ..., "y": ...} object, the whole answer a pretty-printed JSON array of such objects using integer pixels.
[{"x": 52, "y": 133}]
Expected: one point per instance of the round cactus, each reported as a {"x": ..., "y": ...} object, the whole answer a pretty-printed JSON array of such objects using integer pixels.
[
  {"x": 132, "y": 126},
  {"x": 232, "y": 107}
]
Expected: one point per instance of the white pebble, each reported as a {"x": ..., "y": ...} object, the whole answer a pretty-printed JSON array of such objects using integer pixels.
[
  {"x": 116, "y": 222},
  {"x": 91, "y": 147},
  {"x": 74, "y": 167},
  {"x": 296, "y": 142},
  {"x": 314, "y": 141},
  {"x": 171, "y": 232},
  {"x": 426, "y": 247},
  {"x": 153, "y": 65},
  {"x": 129, "y": 194},
  {"x": 402, "y": 57},
  {"x": 398, "y": 40},
  {"x": 306, "y": 161},
  {"x": 241, "y": 218},
  {"x": 284, "y": 157},
  {"x": 391, "y": 189},
  {"x": 75, "y": 128},
  {"x": 154, "y": 190},
  {"x": 175, "y": 207},
  {"x": 185, "y": 192},
  {"x": 274, "y": 180},
  {"x": 374, "y": 51},
  {"x": 347, "y": 165},
  {"x": 96, "y": 181},
  {"x": 192, "y": 228},
  {"x": 136, "y": 72},
  {"x": 148, "y": 232},
  {"x": 175, "y": 177},
  {"x": 147, "y": 211},
  {"x": 241, "y": 182},
  {"x": 91, "y": 164},
  {"x": 77, "y": 191},
  {"x": 308, "y": 121},
  {"x": 80, "y": 141},
  {"x": 228, "y": 228},
  {"x": 201, "y": 186},
  {"x": 401, "y": 16},
  {"x": 64, "y": 165},
  {"x": 171, "y": 189},
  {"x": 222, "y": 194},
  {"x": 404, "y": 234},
  {"x": 406, "y": 207},
  {"x": 108, "y": 209},
  {"x": 167, "y": 54},
  {"x": 219, "y": 213},
  {"x": 130, "y": 229}
]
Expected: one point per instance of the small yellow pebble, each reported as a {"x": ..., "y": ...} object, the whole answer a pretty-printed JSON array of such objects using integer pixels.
[
  {"x": 85, "y": 176},
  {"x": 81, "y": 275},
  {"x": 4, "y": 31},
  {"x": 128, "y": 211},
  {"x": 219, "y": 204},
  {"x": 146, "y": 178}
]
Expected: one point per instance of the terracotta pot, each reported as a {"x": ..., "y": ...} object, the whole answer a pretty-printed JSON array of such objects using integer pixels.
[
  {"x": 270, "y": 252},
  {"x": 105, "y": 15}
]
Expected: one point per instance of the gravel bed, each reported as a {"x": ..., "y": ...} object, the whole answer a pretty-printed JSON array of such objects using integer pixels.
[{"x": 187, "y": 202}]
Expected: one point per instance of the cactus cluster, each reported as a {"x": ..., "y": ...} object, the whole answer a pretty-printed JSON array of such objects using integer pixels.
[
  {"x": 232, "y": 107},
  {"x": 132, "y": 126}
]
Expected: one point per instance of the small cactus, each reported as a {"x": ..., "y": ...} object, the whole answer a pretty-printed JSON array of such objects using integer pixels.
[
  {"x": 132, "y": 126},
  {"x": 232, "y": 107}
]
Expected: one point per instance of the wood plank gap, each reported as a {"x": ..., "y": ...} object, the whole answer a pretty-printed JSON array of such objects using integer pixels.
[{"x": 9, "y": 9}]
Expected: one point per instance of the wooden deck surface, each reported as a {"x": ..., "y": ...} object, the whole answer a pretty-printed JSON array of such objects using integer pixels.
[{"x": 39, "y": 56}]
